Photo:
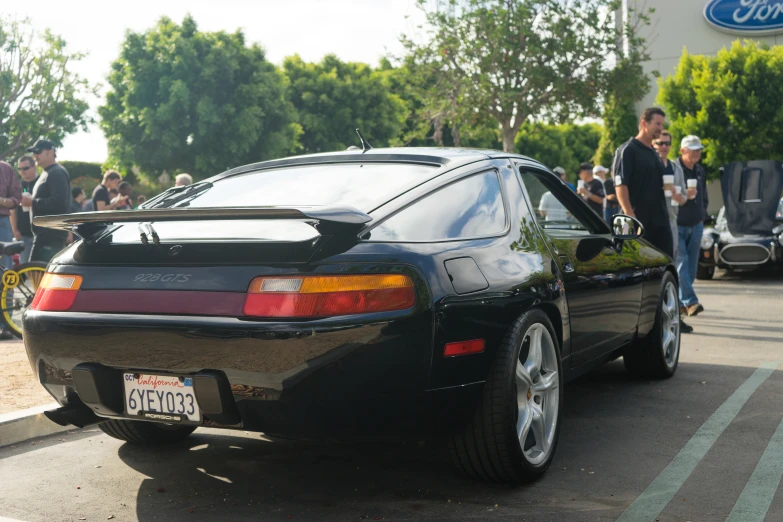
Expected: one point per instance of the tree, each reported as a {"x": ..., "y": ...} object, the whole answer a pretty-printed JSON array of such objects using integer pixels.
[
  {"x": 185, "y": 100},
  {"x": 516, "y": 59},
  {"x": 565, "y": 145},
  {"x": 40, "y": 95},
  {"x": 731, "y": 101},
  {"x": 333, "y": 98},
  {"x": 628, "y": 84}
]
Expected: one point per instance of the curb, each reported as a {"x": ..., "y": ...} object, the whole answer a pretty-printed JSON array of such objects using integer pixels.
[{"x": 28, "y": 424}]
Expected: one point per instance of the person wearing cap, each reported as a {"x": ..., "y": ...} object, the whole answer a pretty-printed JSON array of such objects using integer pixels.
[
  {"x": 560, "y": 171},
  {"x": 690, "y": 222},
  {"x": 638, "y": 181},
  {"x": 51, "y": 196}
]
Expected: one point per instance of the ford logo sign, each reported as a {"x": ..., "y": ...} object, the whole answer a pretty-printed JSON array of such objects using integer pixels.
[{"x": 746, "y": 16}]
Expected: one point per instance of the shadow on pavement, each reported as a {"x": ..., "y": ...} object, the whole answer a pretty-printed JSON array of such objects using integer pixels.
[{"x": 617, "y": 435}]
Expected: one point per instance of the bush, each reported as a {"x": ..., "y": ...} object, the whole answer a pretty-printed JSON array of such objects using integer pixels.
[
  {"x": 77, "y": 169},
  {"x": 731, "y": 101},
  {"x": 87, "y": 183}
]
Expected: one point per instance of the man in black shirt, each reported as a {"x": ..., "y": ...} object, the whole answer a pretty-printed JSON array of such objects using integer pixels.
[
  {"x": 20, "y": 216},
  {"x": 638, "y": 180},
  {"x": 591, "y": 189},
  {"x": 101, "y": 199},
  {"x": 51, "y": 196}
]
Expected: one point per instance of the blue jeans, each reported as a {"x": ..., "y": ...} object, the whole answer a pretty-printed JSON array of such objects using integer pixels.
[
  {"x": 24, "y": 257},
  {"x": 609, "y": 213},
  {"x": 688, "y": 260},
  {"x": 6, "y": 235}
]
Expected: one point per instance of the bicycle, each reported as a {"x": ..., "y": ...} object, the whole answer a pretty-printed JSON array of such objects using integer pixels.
[{"x": 19, "y": 286}]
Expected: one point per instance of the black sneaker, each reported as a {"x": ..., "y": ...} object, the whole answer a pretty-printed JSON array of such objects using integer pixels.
[
  {"x": 6, "y": 335},
  {"x": 685, "y": 328}
]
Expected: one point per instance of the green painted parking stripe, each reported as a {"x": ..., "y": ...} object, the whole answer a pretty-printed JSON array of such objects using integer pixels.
[
  {"x": 757, "y": 496},
  {"x": 652, "y": 501}
]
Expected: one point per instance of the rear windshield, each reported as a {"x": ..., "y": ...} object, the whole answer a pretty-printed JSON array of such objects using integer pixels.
[{"x": 362, "y": 186}]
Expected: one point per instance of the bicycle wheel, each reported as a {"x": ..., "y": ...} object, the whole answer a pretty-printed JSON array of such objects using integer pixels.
[{"x": 19, "y": 286}]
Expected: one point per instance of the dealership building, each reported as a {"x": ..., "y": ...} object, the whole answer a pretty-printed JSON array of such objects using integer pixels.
[{"x": 704, "y": 27}]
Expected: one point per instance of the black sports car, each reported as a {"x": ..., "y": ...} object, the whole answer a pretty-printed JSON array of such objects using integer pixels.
[
  {"x": 386, "y": 293},
  {"x": 748, "y": 232}
]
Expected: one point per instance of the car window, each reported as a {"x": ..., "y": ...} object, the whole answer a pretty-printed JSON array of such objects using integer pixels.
[
  {"x": 469, "y": 208},
  {"x": 364, "y": 186},
  {"x": 552, "y": 210}
]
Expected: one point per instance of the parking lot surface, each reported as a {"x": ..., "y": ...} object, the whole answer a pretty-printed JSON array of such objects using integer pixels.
[{"x": 705, "y": 445}]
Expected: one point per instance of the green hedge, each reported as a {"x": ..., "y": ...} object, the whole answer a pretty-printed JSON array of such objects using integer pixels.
[{"x": 77, "y": 169}]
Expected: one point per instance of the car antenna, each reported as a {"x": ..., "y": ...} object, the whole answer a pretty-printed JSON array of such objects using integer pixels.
[{"x": 365, "y": 146}]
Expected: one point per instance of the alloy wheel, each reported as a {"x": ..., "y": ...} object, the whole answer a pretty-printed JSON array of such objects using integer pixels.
[
  {"x": 670, "y": 325},
  {"x": 538, "y": 394}
]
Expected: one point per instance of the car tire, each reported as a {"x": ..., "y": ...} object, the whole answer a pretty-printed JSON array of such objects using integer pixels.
[
  {"x": 490, "y": 448},
  {"x": 658, "y": 354},
  {"x": 705, "y": 272},
  {"x": 140, "y": 432}
]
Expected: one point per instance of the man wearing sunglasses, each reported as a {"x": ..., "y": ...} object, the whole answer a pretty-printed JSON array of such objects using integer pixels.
[
  {"x": 20, "y": 217},
  {"x": 51, "y": 196},
  {"x": 676, "y": 194}
]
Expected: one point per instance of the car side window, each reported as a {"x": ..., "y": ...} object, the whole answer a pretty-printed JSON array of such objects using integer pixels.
[
  {"x": 471, "y": 207},
  {"x": 552, "y": 210}
]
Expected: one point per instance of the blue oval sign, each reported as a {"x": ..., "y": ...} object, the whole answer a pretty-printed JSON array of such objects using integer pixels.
[{"x": 746, "y": 16}]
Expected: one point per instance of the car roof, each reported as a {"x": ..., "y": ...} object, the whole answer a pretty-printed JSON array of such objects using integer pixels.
[{"x": 442, "y": 157}]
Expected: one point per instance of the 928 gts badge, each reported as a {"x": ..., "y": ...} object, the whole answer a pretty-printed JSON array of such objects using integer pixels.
[{"x": 10, "y": 279}]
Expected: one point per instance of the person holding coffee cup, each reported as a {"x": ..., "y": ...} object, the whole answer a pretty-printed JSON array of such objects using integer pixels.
[
  {"x": 591, "y": 189},
  {"x": 690, "y": 222},
  {"x": 674, "y": 190}
]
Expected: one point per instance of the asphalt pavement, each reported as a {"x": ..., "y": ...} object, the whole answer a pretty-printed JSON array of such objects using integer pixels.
[{"x": 706, "y": 445}]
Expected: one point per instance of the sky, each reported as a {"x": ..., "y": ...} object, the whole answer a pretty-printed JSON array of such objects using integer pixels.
[{"x": 358, "y": 31}]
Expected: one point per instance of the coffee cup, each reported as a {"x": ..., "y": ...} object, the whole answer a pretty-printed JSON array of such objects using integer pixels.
[
  {"x": 692, "y": 184},
  {"x": 677, "y": 190},
  {"x": 668, "y": 179}
]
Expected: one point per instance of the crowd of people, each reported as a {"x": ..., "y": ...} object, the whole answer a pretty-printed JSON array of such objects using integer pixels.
[
  {"x": 50, "y": 193},
  {"x": 669, "y": 197}
]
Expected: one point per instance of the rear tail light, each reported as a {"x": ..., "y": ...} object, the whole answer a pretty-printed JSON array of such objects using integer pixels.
[
  {"x": 327, "y": 296},
  {"x": 57, "y": 292}
]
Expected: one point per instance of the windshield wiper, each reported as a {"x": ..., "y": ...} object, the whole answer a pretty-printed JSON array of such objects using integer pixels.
[{"x": 178, "y": 194}]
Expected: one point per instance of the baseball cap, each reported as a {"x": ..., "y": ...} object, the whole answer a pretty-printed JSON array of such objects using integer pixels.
[
  {"x": 691, "y": 142},
  {"x": 559, "y": 170},
  {"x": 599, "y": 168},
  {"x": 40, "y": 145}
]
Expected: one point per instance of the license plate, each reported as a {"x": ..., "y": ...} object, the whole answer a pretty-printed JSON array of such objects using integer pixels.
[{"x": 163, "y": 398}]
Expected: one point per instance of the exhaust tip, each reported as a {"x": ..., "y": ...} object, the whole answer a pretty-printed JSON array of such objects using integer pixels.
[{"x": 77, "y": 415}]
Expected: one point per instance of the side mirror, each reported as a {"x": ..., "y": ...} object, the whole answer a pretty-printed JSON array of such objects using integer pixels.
[{"x": 625, "y": 227}]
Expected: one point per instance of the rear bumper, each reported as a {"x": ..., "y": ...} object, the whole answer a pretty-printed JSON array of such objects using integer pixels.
[{"x": 321, "y": 379}]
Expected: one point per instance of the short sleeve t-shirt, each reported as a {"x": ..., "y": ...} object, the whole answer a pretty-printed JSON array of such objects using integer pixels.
[
  {"x": 100, "y": 194},
  {"x": 596, "y": 188},
  {"x": 640, "y": 168},
  {"x": 609, "y": 190},
  {"x": 552, "y": 209}
]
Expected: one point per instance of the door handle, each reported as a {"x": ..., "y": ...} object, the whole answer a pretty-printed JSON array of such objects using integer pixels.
[{"x": 568, "y": 267}]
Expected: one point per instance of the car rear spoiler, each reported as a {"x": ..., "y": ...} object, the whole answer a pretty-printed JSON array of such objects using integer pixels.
[{"x": 337, "y": 220}]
